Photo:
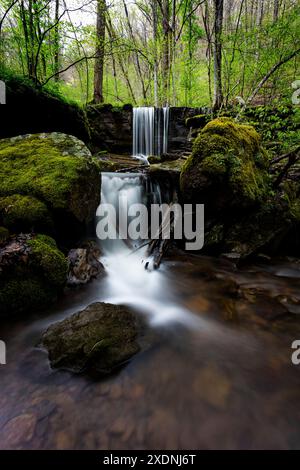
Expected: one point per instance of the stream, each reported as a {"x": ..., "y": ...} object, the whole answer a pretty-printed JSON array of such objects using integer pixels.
[{"x": 215, "y": 368}]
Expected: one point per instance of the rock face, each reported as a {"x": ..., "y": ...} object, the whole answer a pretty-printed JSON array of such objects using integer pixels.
[
  {"x": 45, "y": 177},
  {"x": 47, "y": 112},
  {"x": 100, "y": 337},
  {"x": 110, "y": 127},
  {"x": 32, "y": 272},
  {"x": 84, "y": 264}
]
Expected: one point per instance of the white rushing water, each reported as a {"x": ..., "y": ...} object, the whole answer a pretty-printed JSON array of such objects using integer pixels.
[
  {"x": 127, "y": 281},
  {"x": 150, "y": 131}
]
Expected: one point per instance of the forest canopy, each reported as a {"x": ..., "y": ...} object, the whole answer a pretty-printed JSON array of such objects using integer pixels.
[{"x": 154, "y": 52}]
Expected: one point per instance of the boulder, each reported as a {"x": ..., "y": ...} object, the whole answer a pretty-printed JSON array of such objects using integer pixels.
[
  {"x": 32, "y": 273},
  {"x": 25, "y": 214},
  {"x": 227, "y": 169},
  {"x": 84, "y": 264},
  {"x": 48, "y": 176},
  {"x": 101, "y": 337}
]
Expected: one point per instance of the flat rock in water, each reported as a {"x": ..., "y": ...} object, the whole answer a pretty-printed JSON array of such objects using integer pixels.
[{"x": 101, "y": 337}]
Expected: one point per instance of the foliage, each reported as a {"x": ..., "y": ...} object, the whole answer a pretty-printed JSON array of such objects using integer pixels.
[{"x": 154, "y": 52}]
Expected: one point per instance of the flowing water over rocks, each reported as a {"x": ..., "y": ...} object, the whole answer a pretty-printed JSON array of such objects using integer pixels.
[
  {"x": 228, "y": 384},
  {"x": 214, "y": 369}
]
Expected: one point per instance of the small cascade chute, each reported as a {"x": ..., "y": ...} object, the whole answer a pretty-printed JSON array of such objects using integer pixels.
[{"x": 150, "y": 131}]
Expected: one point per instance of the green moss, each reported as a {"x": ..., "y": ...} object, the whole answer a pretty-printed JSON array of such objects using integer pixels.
[
  {"x": 295, "y": 210},
  {"x": 54, "y": 168},
  {"x": 47, "y": 258},
  {"x": 25, "y": 213},
  {"x": 229, "y": 154},
  {"x": 4, "y": 234},
  {"x": 22, "y": 294}
]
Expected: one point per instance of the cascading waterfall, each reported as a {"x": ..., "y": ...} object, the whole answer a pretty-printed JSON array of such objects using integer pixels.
[
  {"x": 150, "y": 131},
  {"x": 127, "y": 281}
]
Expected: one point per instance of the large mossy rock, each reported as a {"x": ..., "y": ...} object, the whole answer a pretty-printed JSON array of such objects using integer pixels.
[
  {"x": 227, "y": 169},
  {"x": 46, "y": 176},
  {"x": 100, "y": 337},
  {"x": 25, "y": 213},
  {"x": 32, "y": 273}
]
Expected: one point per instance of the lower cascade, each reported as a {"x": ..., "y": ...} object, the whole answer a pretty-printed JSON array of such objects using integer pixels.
[
  {"x": 150, "y": 131},
  {"x": 128, "y": 282}
]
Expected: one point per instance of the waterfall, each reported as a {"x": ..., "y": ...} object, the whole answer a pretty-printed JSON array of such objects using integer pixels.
[
  {"x": 150, "y": 131},
  {"x": 127, "y": 281}
]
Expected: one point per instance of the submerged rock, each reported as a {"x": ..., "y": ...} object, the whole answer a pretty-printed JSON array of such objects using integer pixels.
[
  {"x": 84, "y": 264},
  {"x": 101, "y": 337},
  {"x": 57, "y": 172},
  {"x": 32, "y": 273}
]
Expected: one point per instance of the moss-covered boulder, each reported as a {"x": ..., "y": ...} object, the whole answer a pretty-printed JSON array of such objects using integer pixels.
[
  {"x": 227, "y": 169},
  {"x": 58, "y": 171},
  {"x": 100, "y": 337},
  {"x": 32, "y": 273},
  {"x": 25, "y": 214}
]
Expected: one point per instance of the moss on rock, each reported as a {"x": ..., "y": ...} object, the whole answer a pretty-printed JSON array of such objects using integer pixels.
[
  {"x": 32, "y": 273},
  {"x": 24, "y": 214},
  {"x": 101, "y": 337},
  {"x": 57, "y": 169},
  {"x": 47, "y": 258},
  {"x": 227, "y": 168}
]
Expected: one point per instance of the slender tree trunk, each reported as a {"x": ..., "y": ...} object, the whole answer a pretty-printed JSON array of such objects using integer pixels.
[
  {"x": 218, "y": 25},
  {"x": 155, "y": 61},
  {"x": 137, "y": 60},
  {"x": 56, "y": 41},
  {"x": 166, "y": 51},
  {"x": 99, "y": 60},
  {"x": 276, "y": 11}
]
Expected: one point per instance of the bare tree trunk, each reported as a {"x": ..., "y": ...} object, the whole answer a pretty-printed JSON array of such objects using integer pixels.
[
  {"x": 155, "y": 61},
  {"x": 218, "y": 25},
  {"x": 276, "y": 11},
  {"x": 260, "y": 13},
  {"x": 137, "y": 60},
  {"x": 99, "y": 60},
  {"x": 166, "y": 51},
  {"x": 56, "y": 41},
  {"x": 112, "y": 34}
]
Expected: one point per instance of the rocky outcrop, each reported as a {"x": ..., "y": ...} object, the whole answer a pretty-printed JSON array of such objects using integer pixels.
[
  {"x": 84, "y": 264},
  {"x": 45, "y": 178},
  {"x": 110, "y": 128},
  {"x": 32, "y": 273},
  {"x": 101, "y": 337},
  {"x": 30, "y": 110}
]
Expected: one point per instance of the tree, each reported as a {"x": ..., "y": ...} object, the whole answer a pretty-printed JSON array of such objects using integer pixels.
[
  {"x": 218, "y": 25},
  {"x": 100, "y": 51}
]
